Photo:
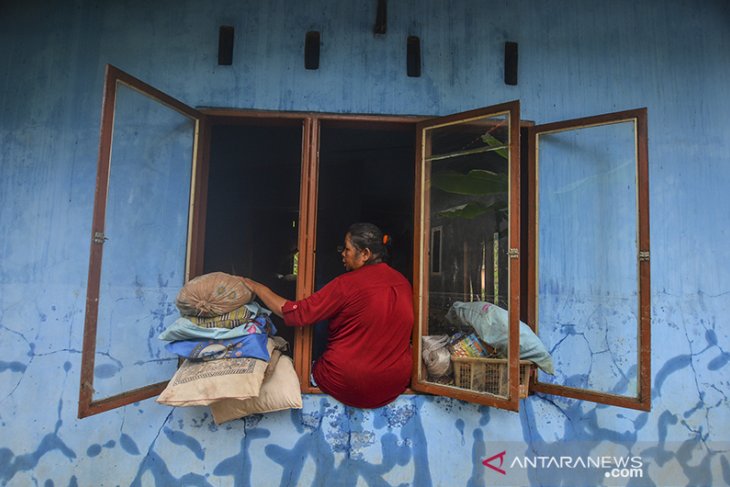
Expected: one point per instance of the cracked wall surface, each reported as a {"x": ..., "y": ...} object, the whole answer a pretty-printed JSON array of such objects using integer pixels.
[{"x": 576, "y": 59}]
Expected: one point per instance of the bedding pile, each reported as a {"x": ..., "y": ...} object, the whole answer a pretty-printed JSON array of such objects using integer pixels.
[{"x": 233, "y": 362}]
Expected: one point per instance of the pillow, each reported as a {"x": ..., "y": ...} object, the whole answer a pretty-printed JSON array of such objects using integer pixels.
[
  {"x": 199, "y": 383},
  {"x": 213, "y": 294},
  {"x": 492, "y": 325},
  {"x": 280, "y": 391},
  {"x": 253, "y": 346}
]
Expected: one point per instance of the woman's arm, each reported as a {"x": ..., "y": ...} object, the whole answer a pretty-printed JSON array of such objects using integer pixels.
[{"x": 271, "y": 300}]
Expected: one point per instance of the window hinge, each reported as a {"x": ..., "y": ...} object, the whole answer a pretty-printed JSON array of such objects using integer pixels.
[
  {"x": 514, "y": 253},
  {"x": 643, "y": 256},
  {"x": 99, "y": 237}
]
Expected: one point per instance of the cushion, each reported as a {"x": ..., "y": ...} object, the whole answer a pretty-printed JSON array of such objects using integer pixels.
[
  {"x": 213, "y": 294},
  {"x": 280, "y": 391},
  {"x": 253, "y": 345},
  {"x": 492, "y": 325},
  {"x": 199, "y": 383}
]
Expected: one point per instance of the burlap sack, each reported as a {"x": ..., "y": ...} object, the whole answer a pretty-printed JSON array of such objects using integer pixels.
[{"x": 213, "y": 294}]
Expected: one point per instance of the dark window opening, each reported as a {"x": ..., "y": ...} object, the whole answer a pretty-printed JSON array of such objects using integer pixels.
[
  {"x": 253, "y": 206},
  {"x": 366, "y": 174}
]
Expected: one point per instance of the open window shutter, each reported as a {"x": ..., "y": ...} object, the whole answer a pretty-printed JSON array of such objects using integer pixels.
[
  {"x": 589, "y": 262},
  {"x": 468, "y": 187},
  {"x": 141, "y": 243}
]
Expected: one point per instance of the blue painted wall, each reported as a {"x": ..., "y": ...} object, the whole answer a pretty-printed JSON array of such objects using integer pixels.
[{"x": 577, "y": 58}]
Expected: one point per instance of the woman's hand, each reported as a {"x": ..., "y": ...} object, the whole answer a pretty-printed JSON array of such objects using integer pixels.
[
  {"x": 270, "y": 299},
  {"x": 251, "y": 284}
]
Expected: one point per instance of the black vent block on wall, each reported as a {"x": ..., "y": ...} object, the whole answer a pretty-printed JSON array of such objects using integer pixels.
[
  {"x": 225, "y": 45},
  {"x": 311, "y": 50},
  {"x": 510, "y": 63},
  {"x": 413, "y": 56},
  {"x": 381, "y": 17}
]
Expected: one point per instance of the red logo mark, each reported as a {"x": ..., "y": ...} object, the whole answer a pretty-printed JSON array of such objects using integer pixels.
[{"x": 487, "y": 462}]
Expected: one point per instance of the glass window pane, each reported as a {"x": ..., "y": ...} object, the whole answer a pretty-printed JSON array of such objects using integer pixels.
[
  {"x": 467, "y": 178},
  {"x": 587, "y": 257},
  {"x": 146, "y": 231}
]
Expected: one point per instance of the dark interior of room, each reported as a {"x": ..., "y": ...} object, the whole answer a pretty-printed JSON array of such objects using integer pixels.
[
  {"x": 253, "y": 205},
  {"x": 366, "y": 173}
]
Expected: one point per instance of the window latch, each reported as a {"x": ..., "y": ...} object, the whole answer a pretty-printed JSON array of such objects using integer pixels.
[
  {"x": 514, "y": 253},
  {"x": 99, "y": 237},
  {"x": 644, "y": 256}
]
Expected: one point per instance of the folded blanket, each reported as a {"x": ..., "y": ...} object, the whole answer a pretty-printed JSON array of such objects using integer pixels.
[
  {"x": 184, "y": 329},
  {"x": 232, "y": 319}
]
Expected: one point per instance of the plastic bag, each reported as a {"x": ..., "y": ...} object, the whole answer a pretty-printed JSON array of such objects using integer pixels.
[{"x": 436, "y": 356}]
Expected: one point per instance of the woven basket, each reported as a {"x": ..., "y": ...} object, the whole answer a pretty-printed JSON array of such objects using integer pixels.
[{"x": 489, "y": 375}]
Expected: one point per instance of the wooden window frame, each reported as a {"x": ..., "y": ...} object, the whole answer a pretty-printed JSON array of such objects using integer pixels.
[
  {"x": 308, "y": 198},
  {"x": 434, "y": 230},
  {"x": 421, "y": 260},
  {"x": 639, "y": 117},
  {"x": 113, "y": 76},
  {"x": 311, "y": 126}
]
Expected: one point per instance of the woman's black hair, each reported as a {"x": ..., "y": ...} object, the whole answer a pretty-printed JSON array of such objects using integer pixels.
[{"x": 368, "y": 236}]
